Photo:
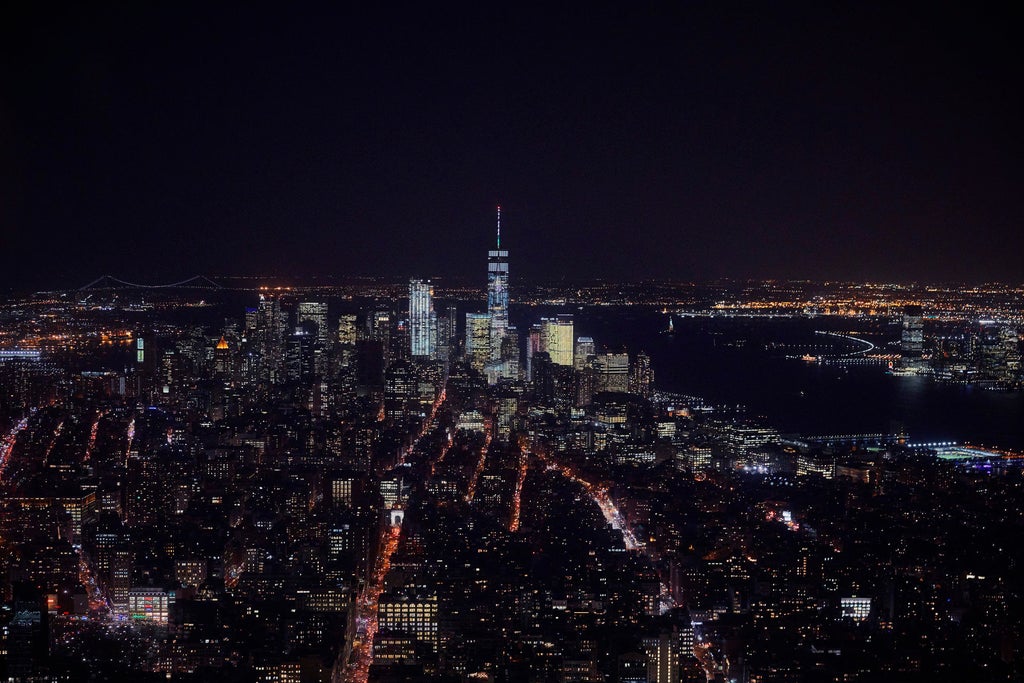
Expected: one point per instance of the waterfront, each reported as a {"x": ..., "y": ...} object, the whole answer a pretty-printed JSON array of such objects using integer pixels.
[
  {"x": 725, "y": 361},
  {"x": 742, "y": 361}
]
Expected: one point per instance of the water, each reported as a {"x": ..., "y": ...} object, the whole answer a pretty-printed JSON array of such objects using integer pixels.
[{"x": 725, "y": 360}]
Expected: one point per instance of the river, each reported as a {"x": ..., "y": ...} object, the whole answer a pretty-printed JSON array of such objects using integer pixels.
[{"x": 739, "y": 361}]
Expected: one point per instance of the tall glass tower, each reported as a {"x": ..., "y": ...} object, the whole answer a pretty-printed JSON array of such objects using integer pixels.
[
  {"x": 422, "y": 319},
  {"x": 497, "y": 293},
  {"x": 912, "y": 338}
]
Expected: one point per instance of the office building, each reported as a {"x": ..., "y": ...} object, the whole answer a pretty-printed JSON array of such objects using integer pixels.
[
  {"x": 912, "y": 337},
  {"x": 312, "y": 316},
  {"x": 497, "y": 293},
  {"x": 641, "y": 376},
  {"x": 269, "y": 335},
  {"x": 409, "y": 614},
  {"x": 347, "y": 329},
  {"x": 585, "y": 349},
  {"x": 556, "y": 338},
  {"x": 478, "y": 339},
  {"x": 532, "y": 347},
  {"x": 422, "y": 320},
  {"x": 663, "y": 659},
  {"x": 613, "y": 372}
]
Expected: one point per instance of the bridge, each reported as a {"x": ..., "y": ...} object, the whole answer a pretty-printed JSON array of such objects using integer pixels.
[{"x": 107, "y": 282}]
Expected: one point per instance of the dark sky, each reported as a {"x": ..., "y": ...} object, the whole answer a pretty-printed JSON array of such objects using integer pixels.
[{"x": 869, "y": 142}]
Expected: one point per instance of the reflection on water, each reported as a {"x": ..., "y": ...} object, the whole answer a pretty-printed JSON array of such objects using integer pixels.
[{"x": 725, "y": 361}]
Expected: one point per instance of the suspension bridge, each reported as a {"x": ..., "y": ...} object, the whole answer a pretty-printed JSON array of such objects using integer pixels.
[{"x": 107, "y": 282}]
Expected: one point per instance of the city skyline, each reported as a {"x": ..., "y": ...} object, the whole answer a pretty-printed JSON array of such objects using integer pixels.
[
  {"x": 854, "y": 143},
  {"x": 336, "y": 483},
  {"x": 612, "y": 344}
]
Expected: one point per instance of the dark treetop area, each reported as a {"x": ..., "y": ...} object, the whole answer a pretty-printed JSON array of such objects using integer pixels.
[{"x": 153, "y": 142}]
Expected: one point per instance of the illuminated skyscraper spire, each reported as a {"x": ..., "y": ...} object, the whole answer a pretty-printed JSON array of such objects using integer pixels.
[
  {"x": 497, "y": 283},
  {"x": 497, "y": 302}
]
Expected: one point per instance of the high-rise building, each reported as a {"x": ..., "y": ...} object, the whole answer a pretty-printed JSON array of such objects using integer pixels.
[
  {"x": 347, "y": 329},
  {"x": 451, "y": 329},
  {"x": 994, "y": 350},
  {"x": 313, "y": 314},
  {"x": 379, "y": 326},
  {"x": 508, "y": 406},
  {"x": 510, "y": 354},
  {"x": 912, "y": 337},
  {"x": 641, "y": 376},
  {"x": 662, "y": 653},
  {"x": 122, "y": 565},
  {"x": 613, "y": 372},
  {"x": 269, "y": 335},
  {"x": 399, "y": 344},
  {"x": 251, "y": 316},
  {"x": 507, "y": 366},
  {"x": 553, "y": 383},
  {"x": 502, "y": 360},
  {"x": 300, "y": 355},
  {"x": 446, "y": 332},
  {"x": 585, "y": 348},
  {"x": 556, "y": 338},
  {"x": 399, "y": 389},
  {"x": 532, "y": 346},
  {"x": 422, "y": 319},
  {"x": 497, "y": 293},
  {"x": 478, "y": 339},
  {"x": 222, "y": 357},
  {"x": 586, "y": 381}
]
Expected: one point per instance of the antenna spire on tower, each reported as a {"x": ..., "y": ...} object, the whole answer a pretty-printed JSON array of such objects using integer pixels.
[{"x": 499, "y": 226}]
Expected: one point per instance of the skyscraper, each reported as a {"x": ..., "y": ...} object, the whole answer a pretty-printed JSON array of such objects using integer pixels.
[
  {"x": 497, "y": 293},
  {"x": 446, "y": 332},
  {"x": 913, "y": 330},
  {"x": 399, "y": 389},
  {"x": 347, "y": 329},
  {"x": 641, "y": 376},
  {"x": 422, "y": 319},
  {"x": 912, "y": 337},
  {"x": 613, "y": 372},
  {"x": 269, "y": 334},
  {"x": 556, "y": 338},
  {"x": 532, "y": 347},
  {"x": 315, "y": 313},
  {"x": 585, "y": 348},
  {"x": 478, "y": 341},
  {"x": 503, "y": 342},
  {"x": 311, "y": 317},
  {"x": 301, "y": 356}
]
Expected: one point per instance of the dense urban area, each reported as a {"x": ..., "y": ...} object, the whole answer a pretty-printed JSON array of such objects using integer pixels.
[
  {"x": 625, "y": 342},
  {"x": 241, "y": 480}
]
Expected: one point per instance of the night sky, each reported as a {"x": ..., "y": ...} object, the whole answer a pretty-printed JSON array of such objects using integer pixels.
[{"x": 693, "y": 143}]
